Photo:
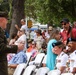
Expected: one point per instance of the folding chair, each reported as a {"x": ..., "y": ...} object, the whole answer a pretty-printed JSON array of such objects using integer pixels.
[
  {"x": 29, "y": 70},
  {"x": 20, "y": 68},
  {"x": 42, "y": 71},
  {"x": 28, "y": 55},
  {"x": 66, "y": 74},
  {"x": 34, "y": 64},
  {"x": 44, "y": 61},
  {"x": 54, "y": 72},
  {"x": 38, "y": 60}
]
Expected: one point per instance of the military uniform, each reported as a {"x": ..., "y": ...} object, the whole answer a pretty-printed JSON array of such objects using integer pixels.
[
  {"x": 4, "y": 49},
  {"x": 61, "y": 60},
  {"x": 72, "y": 58}
]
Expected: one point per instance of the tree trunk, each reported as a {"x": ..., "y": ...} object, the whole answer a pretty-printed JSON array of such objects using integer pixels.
[{"x": 17, "y": 15}]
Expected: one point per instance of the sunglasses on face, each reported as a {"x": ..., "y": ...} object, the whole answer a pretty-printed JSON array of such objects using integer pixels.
[{"x": 63, "y": 24}]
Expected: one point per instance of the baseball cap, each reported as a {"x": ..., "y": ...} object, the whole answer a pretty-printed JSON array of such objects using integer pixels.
[
  {"x": 71, "y": 39},
  {"x": 57, "y": 43},
  {"x": 65, "y": 20}
]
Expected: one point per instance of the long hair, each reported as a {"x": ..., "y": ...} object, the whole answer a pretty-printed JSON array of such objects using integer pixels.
[{"x": 54, "y": 33}]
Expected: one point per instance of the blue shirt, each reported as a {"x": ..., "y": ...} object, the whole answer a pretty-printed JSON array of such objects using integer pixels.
[
  {"x": 51, "y": 57},
  {"x": 19, "y": 58}
]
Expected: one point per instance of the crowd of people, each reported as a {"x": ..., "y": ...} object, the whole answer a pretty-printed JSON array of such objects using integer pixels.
[{"x": 58, "y": 44}]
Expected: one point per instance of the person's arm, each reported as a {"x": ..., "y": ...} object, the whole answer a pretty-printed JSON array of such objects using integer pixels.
[
  {"x": 4, "y": 48},
  {"x": 8, "y": 48},
  {"x": 12, "y": 65},
  {"x": 74, "y": 67},
  {"x": 74, "y": 70},
  {"x": 17, "y": 27},
  {"x": 54, "y": 50},
  {"x": 62, "y": 69},
  {"x": 63, "y": 63}
]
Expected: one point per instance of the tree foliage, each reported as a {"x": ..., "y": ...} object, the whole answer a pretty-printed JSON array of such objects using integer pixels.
[
  {"x": 51, "y": 10},
  {"x": 4, "y": 5},
  {"x": 46, "y": 11}
]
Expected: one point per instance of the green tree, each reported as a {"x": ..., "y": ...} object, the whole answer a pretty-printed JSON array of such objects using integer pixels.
[
  {"x": 51, "y": 10},
  {"x": 4, "y": 5}
]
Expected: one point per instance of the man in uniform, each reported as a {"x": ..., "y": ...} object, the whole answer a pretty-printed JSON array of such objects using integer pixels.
[
  {"x": 4, "y": 48},
  {"x": 61, "y": 58},
  {"x": 71, "y": 44}
]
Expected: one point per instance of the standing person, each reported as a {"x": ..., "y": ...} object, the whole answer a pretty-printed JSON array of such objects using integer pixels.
[
  {"x": 24, "y": 26},
  {"x": 65, "y": 33},
  {"x": 4, "y": 48},
  {"x": 51, "y": 57},
  {"x": 74, "y": 24},
  {"x": 74, "y": 30}
]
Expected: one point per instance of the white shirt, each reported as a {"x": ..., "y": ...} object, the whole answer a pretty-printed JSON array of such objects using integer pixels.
[
  {"x": 39, "y": 40},
  {"x": 24, "y": 27},
  {"x": 61, "y": 60},
  {"x": 47, "y": 35},
  {"x": 21, "y": 38},
  {"x": 32, "y": 35},
  {"x": 72, "y": 58}
]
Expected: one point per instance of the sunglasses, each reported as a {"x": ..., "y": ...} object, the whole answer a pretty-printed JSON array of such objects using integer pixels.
[{"x": 63, "y": 24}]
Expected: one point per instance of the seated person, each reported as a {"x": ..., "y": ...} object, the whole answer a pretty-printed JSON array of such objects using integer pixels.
[
  {"x": 19, "y": 58},
  {"x": 34, "y": 51},
  {"x": 62, "y": 57},
  {"x": 29, "y": 49},
  {"x": 71, "y": 44},
  {"x": 43, "y": 48}
]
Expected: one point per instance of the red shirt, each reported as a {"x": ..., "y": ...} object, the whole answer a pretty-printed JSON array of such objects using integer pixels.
[
  {"x": 64, "y": 35},
  {"x": 74, "y": 32}
]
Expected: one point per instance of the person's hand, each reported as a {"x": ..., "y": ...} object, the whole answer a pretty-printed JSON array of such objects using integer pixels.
[
  {"x": 16, "y": 26},
  {"x": 54, "y": 50}
]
